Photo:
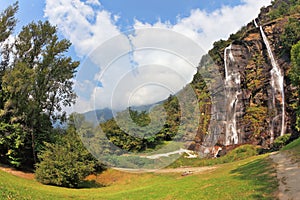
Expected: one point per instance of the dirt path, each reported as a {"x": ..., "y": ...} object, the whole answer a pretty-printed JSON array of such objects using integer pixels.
[
  {"x": 186, "y": 170},
  {"x": 288, "y": 174},
  {"x": 182, "y": 170},
  {"x": 15, "y": 172}
]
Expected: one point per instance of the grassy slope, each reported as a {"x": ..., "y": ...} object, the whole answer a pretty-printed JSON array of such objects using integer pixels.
[
  {"x": 252, "y": 178},
  {"x": 240, "y": 153},
  {"x": 294, "y": 149}
]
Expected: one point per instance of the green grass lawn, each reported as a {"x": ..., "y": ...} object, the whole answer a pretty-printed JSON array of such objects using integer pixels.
[{"x": 252, "y": 178}]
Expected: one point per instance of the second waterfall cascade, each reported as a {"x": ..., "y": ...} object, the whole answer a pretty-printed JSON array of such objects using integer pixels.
[
  {"x": 277, "y": 83},
  {"x": 232, "y": 85}
]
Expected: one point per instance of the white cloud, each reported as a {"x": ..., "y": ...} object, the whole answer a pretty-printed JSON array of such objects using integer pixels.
[
  {"x": 169, "y": 60},
  {"x": 93, "y": 2},
  {"x": 205, "y": 28},
  {"x": 82, "y": 105},
  {"x": 84, "y": 26},
  {"x": 8, "y": 42},
  {"x": 94, "y": 30}
]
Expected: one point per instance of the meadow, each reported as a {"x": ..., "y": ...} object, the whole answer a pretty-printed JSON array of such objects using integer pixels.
[{"x": 251, "y": 178}]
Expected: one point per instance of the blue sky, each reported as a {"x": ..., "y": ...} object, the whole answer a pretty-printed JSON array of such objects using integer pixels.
[
  {"x": 31, "y": 10},
  {"x": 128, "y": 10},
  {"x": 146, "y": 11},
  {"x": 166, "y": 10},
  {"x": 92, "y": 24}
]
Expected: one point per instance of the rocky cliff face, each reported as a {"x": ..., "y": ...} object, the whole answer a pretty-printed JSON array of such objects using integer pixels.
[{"x": 256, "y": 100}]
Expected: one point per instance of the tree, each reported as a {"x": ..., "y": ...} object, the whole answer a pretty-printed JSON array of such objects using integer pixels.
[
  {"x": 12, "y": 133},
  {"x": 36, "y": 83},
  {"x": 65, "y": 163},
  {"x": 7, "y": 25},
  {"x": 295, "y": 79},
  {"x": 290, "y": 36}
]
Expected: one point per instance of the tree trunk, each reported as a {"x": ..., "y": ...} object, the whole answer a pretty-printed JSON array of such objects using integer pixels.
[{"x": 33, "y": 147}]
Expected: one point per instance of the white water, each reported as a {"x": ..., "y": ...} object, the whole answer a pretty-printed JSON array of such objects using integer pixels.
[
  {"x": 277, "y": 83},
  {"x": 232, "y": 83},
  {"x": 225, "y": 60},
  {"x": 255, "y": 23}
]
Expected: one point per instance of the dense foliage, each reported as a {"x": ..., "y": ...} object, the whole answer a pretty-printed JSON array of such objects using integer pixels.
[
  {"x": 281, "y": 8},
  {"x": 281, "y": 142},
  {"x": 291, "y": 35},
  {"x": 295, "y": 78},
  {"x": 143, "y": 136}
]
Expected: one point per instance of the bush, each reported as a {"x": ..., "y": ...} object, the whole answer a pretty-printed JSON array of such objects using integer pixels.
[
  {"x": 65, "y": 163},
  {"x": 290, "y": 36},
  {"x": 240, "y": 153},
  {"x": 281, "y": 142}
]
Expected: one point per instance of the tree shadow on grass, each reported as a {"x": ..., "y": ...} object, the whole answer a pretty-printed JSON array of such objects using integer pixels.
[
  {"x": 262, "y": 175},
  {"x": 89, "y": 184}
]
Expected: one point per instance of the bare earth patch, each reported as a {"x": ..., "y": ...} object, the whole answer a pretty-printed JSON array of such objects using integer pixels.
[
  {"x": 183, "y": 170},
  {"x": 187, "y": 170},
  {"x": 288, "y": 174},
  {"x": 27, "y": 175}
]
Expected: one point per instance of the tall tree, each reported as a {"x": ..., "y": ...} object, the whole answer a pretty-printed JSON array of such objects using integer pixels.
[
  {"x": 37, "y": 84},
  {"x": 7, "y": 25}
]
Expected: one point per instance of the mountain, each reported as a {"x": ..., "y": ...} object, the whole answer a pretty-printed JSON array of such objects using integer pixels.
[
  {"x": 98, "y": 116},
  {"x": 102, "y": 115},
  {"x": 255, "y": 104}
]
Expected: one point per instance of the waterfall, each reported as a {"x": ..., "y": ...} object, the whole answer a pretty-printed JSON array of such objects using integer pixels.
[
  {"x": 255, "y": 23},
  {"x": 232, "y": 85},
  {"x": 225, "y": 61},
  {"x": 277, "y": 83}
]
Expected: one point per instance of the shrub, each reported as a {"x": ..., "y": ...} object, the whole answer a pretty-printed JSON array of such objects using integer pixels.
[
  {"x": 240, "y": 153},
  {"x": 281, "y": 142},
  {"x": 65, "y": 163}
]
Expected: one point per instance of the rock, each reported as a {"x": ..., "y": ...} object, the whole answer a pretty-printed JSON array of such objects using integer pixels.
[{"x": 257, "y": 109}]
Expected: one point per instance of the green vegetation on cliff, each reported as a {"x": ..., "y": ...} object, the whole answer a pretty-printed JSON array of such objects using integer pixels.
[{"x": 295, "y": 78}]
